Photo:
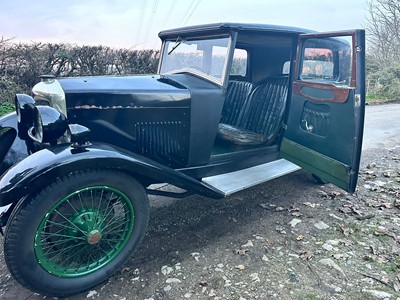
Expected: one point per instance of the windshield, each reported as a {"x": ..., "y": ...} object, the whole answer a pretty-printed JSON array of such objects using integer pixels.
[{"x": 205, "y": 57}]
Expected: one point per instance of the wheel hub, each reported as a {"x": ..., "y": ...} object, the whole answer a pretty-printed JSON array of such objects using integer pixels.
[
  {"x": 93, "y": 237},
  {"x": 87, "y": 225}
]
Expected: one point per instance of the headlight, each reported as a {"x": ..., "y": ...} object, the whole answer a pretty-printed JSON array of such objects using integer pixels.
[
  {"x": 48, "y": 124},
  {"x": 49, "y": 92}
]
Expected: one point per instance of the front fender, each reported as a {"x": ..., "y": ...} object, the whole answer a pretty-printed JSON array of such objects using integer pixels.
[{"x": 39, "y": 169}]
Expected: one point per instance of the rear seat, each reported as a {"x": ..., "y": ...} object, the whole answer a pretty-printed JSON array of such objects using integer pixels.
[{"x": 260, "y": 116}]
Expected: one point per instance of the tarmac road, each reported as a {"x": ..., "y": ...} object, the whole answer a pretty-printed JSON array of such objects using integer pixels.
[{"x": 382, "y": 126}]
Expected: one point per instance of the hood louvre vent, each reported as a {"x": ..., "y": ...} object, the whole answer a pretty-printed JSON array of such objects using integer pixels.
[{"x": 161, "y": 140}]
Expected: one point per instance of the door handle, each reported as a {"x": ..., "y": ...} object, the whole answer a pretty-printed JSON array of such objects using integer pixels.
[{"x": 307, "y": 126}]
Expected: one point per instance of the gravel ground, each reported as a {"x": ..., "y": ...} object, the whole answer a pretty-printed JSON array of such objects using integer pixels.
[{"x": 289, "y": 238}]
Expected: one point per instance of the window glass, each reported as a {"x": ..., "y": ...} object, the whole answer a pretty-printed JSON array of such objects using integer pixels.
[
  {"x": 286, "y": 68},
  {"x": 327, "y": 60},
  {"x": 239, "y": 63},
  {"x": 317, "y": 64},
  {"x": 200, "y": 56}
]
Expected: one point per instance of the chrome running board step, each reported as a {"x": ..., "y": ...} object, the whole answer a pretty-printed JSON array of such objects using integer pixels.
[{"x": 233, "y": 182}]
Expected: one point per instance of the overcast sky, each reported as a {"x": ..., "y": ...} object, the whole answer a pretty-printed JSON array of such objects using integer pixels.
[{"x": 136, "y": 23}]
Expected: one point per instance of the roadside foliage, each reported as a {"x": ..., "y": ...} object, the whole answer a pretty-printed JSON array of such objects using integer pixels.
[{"x": 21, "y": 65}]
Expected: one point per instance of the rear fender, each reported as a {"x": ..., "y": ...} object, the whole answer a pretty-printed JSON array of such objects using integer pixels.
[{"x": 39, "y": 169}]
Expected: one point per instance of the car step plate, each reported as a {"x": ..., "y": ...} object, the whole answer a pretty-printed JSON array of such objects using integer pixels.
[{"x": 233, "y": 182}]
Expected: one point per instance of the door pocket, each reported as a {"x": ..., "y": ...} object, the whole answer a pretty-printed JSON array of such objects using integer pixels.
[{"x": 315, "y": 119}]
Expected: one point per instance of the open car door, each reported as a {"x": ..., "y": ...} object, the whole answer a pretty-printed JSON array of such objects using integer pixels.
[{"x": 326, "y": 114}]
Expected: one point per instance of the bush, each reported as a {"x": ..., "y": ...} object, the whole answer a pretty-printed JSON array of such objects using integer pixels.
[
  {"x": 385, "y": 83},
  {"x": 6, "y": 108},
  {"x": 8, "y": 89},
  {"x": 22, "y": 64}
]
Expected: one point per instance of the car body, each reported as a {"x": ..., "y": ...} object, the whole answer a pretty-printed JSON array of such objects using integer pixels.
[{"x": 232, "y": 105}]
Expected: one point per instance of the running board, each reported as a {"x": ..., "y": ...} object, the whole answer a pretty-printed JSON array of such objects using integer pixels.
[{"x": 233, "y": 182}]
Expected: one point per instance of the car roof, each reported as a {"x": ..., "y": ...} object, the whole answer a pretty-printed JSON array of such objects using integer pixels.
[{"x": 224, "y": 27}]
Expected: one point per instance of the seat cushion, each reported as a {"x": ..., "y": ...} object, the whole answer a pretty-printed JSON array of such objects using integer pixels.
[{"x": 240, "y": 136}]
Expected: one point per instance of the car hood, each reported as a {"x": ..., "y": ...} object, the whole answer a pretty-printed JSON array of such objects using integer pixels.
[{"x": 106, "y": 91}]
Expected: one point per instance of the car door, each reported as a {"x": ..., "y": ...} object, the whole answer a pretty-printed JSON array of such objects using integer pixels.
[{"x": 324, "y": 125}]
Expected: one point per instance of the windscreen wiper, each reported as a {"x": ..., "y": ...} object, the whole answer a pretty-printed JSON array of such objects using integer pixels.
[{"x": 178, "y": 41}]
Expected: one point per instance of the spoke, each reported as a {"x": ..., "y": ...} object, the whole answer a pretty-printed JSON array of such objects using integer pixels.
[
  {"x": 109, "y": 244},
  {"x": 89, "y": 261},
  {"x": 116, "y": 232},
  {"x": 118, "y": 222},
  {"x": 80, "y": 200},
  {"x": 57, "y": 236},
  {"x": 115, "y": 229},
  {"x": 105, "y": 217},
  {"x": 104, "y": 251},
  {"x": 100, "y": 201},
  {"x": 65, "y": 255},
  {"x": 60, "y": 241},
  {"x": 47, "y": 228},
  {"x": 60, "y": 252},
  {"x": 108, "y": 205},
  {"x": 106, "y": 211},
  {"x": 64, "y": 225},
  {"x": 115, "y": 222},
  {"x": 72, "y": 206},
  {"x": 91, "y": 197},
  {"x": 76, "y": 256},
  {"x": 111, "y": 220},
  {"x": 115, "y": 240},
  {"x": 70, "y": 222}
]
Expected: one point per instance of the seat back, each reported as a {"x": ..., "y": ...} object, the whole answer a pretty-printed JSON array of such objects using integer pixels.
[
  {"x": 264, "y": 109},
  {"x": 236, "y": 95}
]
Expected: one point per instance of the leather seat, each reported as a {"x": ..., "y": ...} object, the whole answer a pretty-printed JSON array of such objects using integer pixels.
[
  {"x": 261, "y": 115},
  {"x": 236, "y": 94}
]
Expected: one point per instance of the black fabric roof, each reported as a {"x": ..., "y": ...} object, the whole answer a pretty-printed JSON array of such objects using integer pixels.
[{"x": 216, "y": 27}]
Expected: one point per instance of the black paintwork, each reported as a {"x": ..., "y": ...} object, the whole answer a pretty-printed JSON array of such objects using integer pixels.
[
  {"x": 13, "y": 148},
  {"x": 120, "y": 110},
  {"x": 34, "y": 172},
  {"x": 226, "y": 26}
]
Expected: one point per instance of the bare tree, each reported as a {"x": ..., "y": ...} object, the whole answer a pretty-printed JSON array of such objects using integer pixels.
[{"x": 383, "y": 30}]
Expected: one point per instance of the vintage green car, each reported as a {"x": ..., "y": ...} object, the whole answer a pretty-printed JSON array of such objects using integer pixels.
[{"x": 233, "y": 105}]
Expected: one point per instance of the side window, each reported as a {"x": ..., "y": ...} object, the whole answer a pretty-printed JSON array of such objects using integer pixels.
[
  {"x": 326, "y": 60},
  {"x": 286, "y": 68},
  {"x": 317, "y": 64},
  {"x": 239, "y": 63}
]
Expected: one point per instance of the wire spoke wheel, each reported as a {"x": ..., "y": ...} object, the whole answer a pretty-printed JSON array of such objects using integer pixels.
[
  {"x": 76, "y": 232},
  {"x": 84, "y": 231}
]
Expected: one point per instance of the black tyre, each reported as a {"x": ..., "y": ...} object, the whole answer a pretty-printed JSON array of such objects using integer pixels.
[
  {"x": 319, "y": 180},
  {"x": 76, "y": 232}
]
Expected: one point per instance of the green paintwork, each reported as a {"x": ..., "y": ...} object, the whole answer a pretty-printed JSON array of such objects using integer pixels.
[
  {"x": 84, "y": 231},
  {"x": 322, "y": 166}
]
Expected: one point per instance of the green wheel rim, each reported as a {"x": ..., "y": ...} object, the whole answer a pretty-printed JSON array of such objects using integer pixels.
[{"x": 84, "y": 231}]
